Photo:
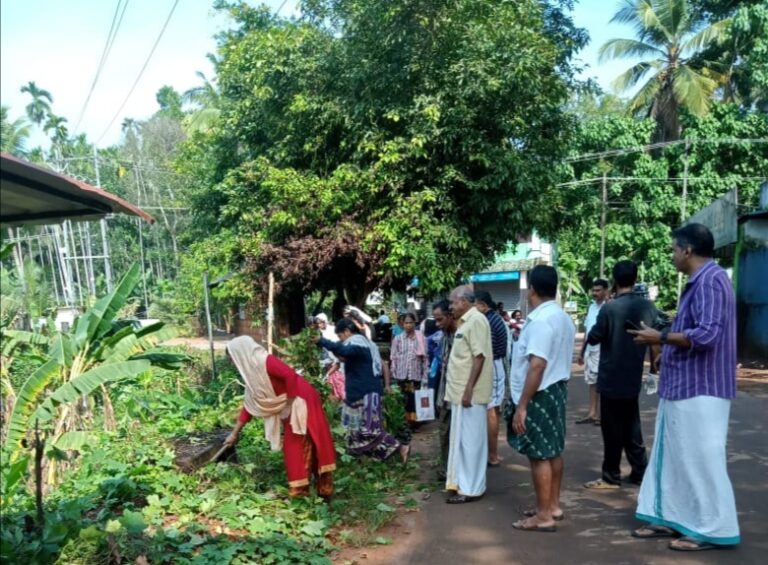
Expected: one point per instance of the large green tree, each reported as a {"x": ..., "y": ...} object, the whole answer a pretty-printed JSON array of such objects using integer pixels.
[
  {"x": 13, "y": 134},
  {"x": 669, "y": 37},
  {"x": 645, "y": 190},
  {"x": 374, "y": 141},
  {"x": 40, "y": 106},
  {"x": 744, "y": 51}
]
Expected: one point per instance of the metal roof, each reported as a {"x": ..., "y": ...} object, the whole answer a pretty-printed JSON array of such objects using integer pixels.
[{"x": 30, "y": 194}]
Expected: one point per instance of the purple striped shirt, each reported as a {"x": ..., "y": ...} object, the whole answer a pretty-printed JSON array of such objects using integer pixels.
[{"x": 707, "y": 316}]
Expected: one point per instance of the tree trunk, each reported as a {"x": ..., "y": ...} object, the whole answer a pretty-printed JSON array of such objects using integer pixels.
[{"x": 290, "y": 312}]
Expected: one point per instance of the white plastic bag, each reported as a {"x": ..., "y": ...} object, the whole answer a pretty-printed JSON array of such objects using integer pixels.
[
  {"x": 425, "y": 404},
  {"x": 651, "y": 382}
]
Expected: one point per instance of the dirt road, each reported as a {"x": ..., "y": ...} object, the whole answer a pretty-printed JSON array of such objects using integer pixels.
[{"x": 597, "y": 526}]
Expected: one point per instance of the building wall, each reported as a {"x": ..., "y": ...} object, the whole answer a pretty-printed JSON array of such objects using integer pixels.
[
  {"x": 507, "y": 292},
  {"x": 752, "y": 291}
]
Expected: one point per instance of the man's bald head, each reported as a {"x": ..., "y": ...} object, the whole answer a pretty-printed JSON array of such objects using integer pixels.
[{"x": 462, "y": 299}]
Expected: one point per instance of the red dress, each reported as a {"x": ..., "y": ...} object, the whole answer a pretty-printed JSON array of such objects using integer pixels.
[{"x": 304, "y": 455}]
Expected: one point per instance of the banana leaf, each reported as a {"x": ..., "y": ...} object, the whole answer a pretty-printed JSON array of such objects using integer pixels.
[
  {"x": 86, "y": 383},
  {"x": 26, "y": 400}
]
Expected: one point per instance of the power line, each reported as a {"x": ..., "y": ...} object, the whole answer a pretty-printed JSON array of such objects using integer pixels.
[
  {"x": 664, "y": 179},
  {"x": 280, "y": 9},
  {"x": 141, "y": 72},
  {"x": 113, "y": 29},
  {"x": 643, "y": 148}
]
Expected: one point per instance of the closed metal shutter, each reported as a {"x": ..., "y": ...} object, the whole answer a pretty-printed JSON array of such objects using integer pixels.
[{"x": 507, "y": 292}]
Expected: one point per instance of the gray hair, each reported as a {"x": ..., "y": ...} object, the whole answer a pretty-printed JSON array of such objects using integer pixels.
[{"x": 466, "y": 292}]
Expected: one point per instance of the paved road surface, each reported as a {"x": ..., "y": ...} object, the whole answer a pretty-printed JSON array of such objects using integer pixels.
[{"x": 597, "y": 526}]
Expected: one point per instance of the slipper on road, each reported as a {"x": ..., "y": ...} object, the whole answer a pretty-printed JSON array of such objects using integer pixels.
[
  {"x": 600, "y": 484},
  {"x": 531, "y": 512},
  {"x": 528, "y": 525},
  {"x": 462, "y": 499},
  {"x": 690, "y": 544},
  {"x": 652, "y": 531},
  {"x": 588, "y": 420}
]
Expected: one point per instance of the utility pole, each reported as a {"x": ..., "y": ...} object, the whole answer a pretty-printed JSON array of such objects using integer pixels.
[
  {"x": 141, "y": 243},
  {"x": 103, "y": 222},
  {"x": 684, "y": 202},
  {"x": 602, "y": 225},
  {"x": 206, "y": 289},
  {"x": 270, "y": 312},
  {"x": 683, "y": 211}
]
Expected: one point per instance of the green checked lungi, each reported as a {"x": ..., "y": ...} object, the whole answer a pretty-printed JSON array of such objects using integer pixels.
[{"x": 544, "y": 436}]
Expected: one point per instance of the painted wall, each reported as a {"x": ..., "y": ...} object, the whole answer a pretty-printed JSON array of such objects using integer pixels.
[{"x": 752, "y": 291}]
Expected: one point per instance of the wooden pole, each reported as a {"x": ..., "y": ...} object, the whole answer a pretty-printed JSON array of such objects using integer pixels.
[
  {"x": 210, "y": 325},
  {"x": 18, "y": 258},
  {"x": 39, "y": 444},
  {"x": 683, "y": 212},
  {"x": 270, "y": 311},
  {"x": 141, "y": 240},
  {"x": 602, "y": 225},
  {"x": 69, "y": 239},
  {"x": 103, "y": 225}
]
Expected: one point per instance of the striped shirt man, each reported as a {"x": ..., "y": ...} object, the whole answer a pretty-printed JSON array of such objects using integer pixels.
[
  {"x": 499, "y": 334},
  {"x": 707, "y": 316}
]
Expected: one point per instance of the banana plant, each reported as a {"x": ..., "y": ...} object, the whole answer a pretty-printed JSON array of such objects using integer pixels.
[{"x": 81, "y": 365}]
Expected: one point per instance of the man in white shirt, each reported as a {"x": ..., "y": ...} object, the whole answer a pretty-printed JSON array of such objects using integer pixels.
[
  {"x": 541, "y": 367},
  {"x": 590, "y": 354}
]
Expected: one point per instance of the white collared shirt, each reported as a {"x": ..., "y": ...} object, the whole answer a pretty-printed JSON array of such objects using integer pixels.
[
  {"x": 589, "y": 321},
  {"x": 550, "y": 334}
]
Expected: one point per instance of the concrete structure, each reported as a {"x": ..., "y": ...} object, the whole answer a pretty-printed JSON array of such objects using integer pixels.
[
  {"x": 752, "y": 286},
  {"x": 507, "y": 278}
]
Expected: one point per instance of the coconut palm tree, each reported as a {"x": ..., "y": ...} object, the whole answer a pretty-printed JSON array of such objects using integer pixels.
[
  {"x": 56, "y": 125},
  {"x": 207, "y": 102},
  {"x": 13, "y": 134},
  {"x": 669, "y": 37},
  {"x": 40, "y": 107}
]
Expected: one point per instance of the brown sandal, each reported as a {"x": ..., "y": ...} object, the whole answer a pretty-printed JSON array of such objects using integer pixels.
[
  {"x": 531, "y": 512},
  {"x": 690, "y": 544},
  {"x": 526, "y": 526},
  {"x": 653, "y": 531}
]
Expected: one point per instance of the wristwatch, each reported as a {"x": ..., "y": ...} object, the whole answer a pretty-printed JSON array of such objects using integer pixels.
[{"x": 664, "y": 334}]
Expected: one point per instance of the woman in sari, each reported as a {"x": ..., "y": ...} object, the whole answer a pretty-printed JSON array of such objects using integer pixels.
[
  {"x": 410, "y": 365},
  {"x": 276, "y": 393},
  {"x": 362, "y": 409}
]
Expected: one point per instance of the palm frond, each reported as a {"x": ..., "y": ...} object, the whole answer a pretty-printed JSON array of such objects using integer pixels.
[
  {"x": 644, "y": 97},
  {"x": 675, "y": 15},
  {"x": 693, "y": 89},
  {"x": 710, "y": 35},
  {"x": 651, "y": 24},
  {"x": 635, "y": 74},
  {"x": 622, "y": 48},
  {"x": 626, "y": 14}
]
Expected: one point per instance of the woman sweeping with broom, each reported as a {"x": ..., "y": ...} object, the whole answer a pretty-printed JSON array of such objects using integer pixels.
[{"x": 276, "y": 393}]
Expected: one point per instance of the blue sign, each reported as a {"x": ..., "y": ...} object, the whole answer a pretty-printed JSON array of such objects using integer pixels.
[{"x": 496, "y": 277}]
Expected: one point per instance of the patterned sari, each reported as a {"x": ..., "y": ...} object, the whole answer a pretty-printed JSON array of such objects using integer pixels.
[{"x": 365, "y": 428}]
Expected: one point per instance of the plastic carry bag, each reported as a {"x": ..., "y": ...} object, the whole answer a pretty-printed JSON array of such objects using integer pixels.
[{"x": 425, "y": 404}]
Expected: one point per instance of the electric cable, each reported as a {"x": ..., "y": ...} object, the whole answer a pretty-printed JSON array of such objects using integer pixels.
[
  {"x": 141, "y": 72},
  {"x": 113, "y": 29}
]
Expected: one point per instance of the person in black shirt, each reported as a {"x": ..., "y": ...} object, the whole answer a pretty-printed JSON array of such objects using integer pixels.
[{"x": 619, "y": 377}]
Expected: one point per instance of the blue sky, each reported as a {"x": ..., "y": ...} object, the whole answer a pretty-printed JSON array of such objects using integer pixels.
[{"x": 58, "y": 44}]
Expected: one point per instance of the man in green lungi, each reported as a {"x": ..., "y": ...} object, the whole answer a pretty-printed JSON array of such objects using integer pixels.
[{"x": 541, "y": 367}]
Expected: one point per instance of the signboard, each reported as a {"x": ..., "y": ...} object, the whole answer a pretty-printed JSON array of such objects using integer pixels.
[
  {"x": 495, "y": 277},
  {"x": 721, "y": 217}
]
